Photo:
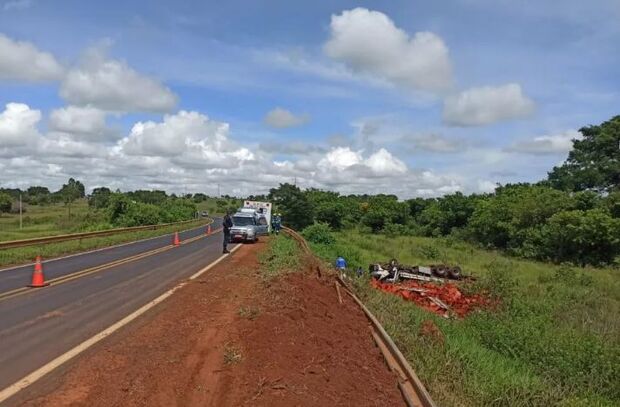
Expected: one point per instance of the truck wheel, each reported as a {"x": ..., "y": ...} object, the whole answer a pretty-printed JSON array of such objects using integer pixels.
[
  {"x": 440, "y": 271},
  {"x": 455, "y": 272}
]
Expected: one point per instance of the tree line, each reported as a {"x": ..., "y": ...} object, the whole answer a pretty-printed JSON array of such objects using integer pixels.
[
  {"x": 109, "y": 208},
  {"x": 571, "y": 216}
]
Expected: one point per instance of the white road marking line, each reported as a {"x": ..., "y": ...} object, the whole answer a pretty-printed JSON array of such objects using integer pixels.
[
  {"x": 101, "y": 249},
  {"x": 60, "y": 360}
]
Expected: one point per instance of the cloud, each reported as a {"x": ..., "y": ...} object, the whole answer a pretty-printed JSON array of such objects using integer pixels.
[
  {"x": 190, "y": 151},
  {"x": 294, "y": 147},
  {"x": 432, "y": 142},
  {"x": 81, "y": 122},
  {"x": 369, "y": 42},
  {"x": 380, "y": 163},
  {"x": 190, "y": 139},
  {"x": 114, "y": 86},
  {"x": 486, "y": 105},
  {"x": 18, "y": 126},
  {"x": 550, "y": 144},
  {"x": 340, "y": 158},
  {"x": 486, "y": 186},
  {"x": 17, "y": 5},
  {"x": 280, "y": 118},
  {"x": 23, "y": 61}
]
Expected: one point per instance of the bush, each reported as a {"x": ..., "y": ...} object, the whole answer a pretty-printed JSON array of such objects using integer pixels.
[
  {"x": 175, "y": 210},
  {"x": 319, "y": 233},
  {"x": 5, "y": 202},
  {"x": 581, "y": 237}
]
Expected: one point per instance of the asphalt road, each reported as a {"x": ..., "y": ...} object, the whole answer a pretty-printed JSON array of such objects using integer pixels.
[
  {"x": 42, "y": 324},
  {"x": 13, "y": 278}
]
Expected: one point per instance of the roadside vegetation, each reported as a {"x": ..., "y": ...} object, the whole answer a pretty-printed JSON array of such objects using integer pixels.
[
  {"x": 69, "y": 210},
  {"x": 282, "y": 256},
  {"x": 47, "y": 213},
  {"x": 572, "y": 216},
  {"x": 547, "y": 253},
  {"x": 553, "y": 338}
]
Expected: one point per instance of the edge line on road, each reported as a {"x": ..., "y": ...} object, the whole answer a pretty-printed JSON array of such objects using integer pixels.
[
  {"x": 82, "y": 273},
  {"x": 9, "y": 268},
  {"x": 31, "y": 378}
]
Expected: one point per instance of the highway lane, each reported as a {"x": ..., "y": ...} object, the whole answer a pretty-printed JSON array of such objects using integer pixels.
[
  {"x": 18, "y": 277},
  {"x": 38, "y": 326}
]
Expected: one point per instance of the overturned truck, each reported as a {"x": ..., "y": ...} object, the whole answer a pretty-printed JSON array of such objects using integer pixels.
[{"x": 394, "y": 272}]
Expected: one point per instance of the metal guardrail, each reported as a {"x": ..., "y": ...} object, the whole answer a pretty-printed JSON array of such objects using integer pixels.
[
  {"x": 412, "y": 389},
  {"x": 84, "y": 235}
]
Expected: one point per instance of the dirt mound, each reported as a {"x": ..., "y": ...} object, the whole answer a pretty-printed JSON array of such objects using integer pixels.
[
  {"x": 426, "y": 295},
  {"x": 227, "y": 339},
  {"x": 307, "y": 349}
]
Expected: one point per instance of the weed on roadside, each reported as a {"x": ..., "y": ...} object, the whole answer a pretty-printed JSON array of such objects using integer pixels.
[
  {"x": 249, "y": 312},
  {"x": 232, "y": 354},
  {"x": 283, "y": 255}
]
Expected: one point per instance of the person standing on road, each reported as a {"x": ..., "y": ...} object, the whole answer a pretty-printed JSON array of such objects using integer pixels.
[{"x": 227, "y": 224}]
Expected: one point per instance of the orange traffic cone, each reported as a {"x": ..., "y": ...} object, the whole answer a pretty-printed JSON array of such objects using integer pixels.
[
  {"x": 176, "y": 241},
  {"x": 38, "y": 278},
  {"x": 208, "y": 229}
]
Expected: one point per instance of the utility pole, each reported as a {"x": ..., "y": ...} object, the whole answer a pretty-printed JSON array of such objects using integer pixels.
[{"x": 20, "y": 211}]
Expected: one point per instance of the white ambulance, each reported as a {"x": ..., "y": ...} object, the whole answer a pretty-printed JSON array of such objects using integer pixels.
[{"x": 263, "y": 215}]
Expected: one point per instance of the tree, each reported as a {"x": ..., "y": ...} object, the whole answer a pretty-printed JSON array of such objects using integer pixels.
[
  {"x": 71, "y": 191},
  {"x": 6, "y": 202},
  {"x": 594, "y": 161},
  {"x": 383, "y": 209},
  {"x": 100, "y": 198},
  {"x": 582, "y": 237},
  {"x": 506, "y": 219},
  {"x": 447, "y": 213},
  {"x": 329, "y": 207},
  {"x": 297, "y": 210},
  {"x": 37, "y": 195}
]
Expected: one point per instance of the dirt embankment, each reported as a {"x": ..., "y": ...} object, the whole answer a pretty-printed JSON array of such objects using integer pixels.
[{"x": 228, "y": 339}]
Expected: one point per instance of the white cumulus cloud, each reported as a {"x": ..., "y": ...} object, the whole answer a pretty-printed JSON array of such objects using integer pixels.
[
  {"x": 369, "y": 42},
  {"x": 280, "y": 118},
  {"x": 384, "y": 163},
  {"x": 23, "y": 61},
  {"x": 191, "y": 139},
  {"x": 340, "y": 158},
  {"x": 82, "y": 122},
  {"x": 548, "y": 144},
  {"x": 18, "y": 125},
  {"x": 112, "y": 85},
  {"x": 486, "y": 105}
]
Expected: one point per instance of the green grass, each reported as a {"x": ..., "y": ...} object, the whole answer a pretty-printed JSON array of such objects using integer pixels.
[
  {"x": 48, "y": 220},
  {"x": 210, "y": 205},
  {"x": 22, "y": 255},
  {"x": 554, "y": 340},
  {"x": 281, "y": 256}
]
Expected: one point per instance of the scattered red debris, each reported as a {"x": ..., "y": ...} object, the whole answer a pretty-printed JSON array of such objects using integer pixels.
[{"x": 426, "y": 295}]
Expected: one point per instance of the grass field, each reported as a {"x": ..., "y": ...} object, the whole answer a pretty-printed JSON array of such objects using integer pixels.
[
  {"x": 553, "y": 341},
  {"x": 51, "y": 220},
  {"x": 46, "y": 220}
]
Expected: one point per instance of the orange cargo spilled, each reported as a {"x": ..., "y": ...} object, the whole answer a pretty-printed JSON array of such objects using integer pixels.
[{"x": 441, "y": 299}]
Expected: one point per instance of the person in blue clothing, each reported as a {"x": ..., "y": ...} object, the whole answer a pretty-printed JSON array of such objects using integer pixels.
[
  {"x": 341, "y": 263},
  {"x": 277, "y": 223}
]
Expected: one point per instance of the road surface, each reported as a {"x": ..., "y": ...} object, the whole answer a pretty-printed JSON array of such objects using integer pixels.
[{"x": 41, "y": 324}]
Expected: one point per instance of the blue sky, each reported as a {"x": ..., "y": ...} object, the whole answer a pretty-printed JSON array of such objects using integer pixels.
[{"x": 407, "y": 97}]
